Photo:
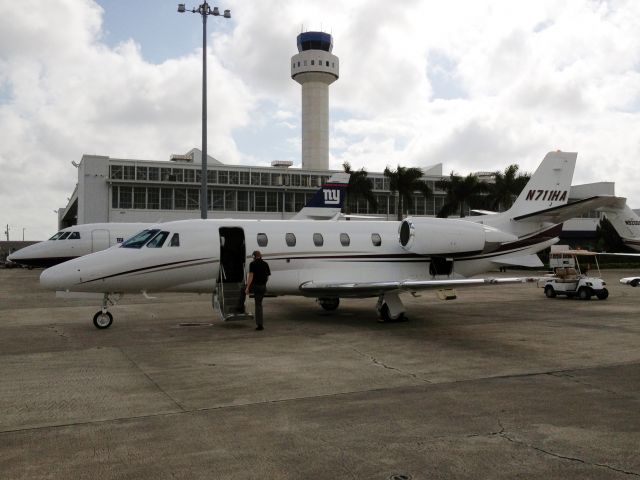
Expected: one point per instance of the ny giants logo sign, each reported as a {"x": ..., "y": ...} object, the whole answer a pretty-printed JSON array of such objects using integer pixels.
[
  {"x": 547, "y": 195},
  {"x": 331, "y": 197}
]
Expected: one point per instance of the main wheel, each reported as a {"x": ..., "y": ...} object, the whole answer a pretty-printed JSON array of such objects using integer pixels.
[
  {"x": 329, "y": 303},
  {"x": 603, "y": 295},
  {"x": 102, "y": 320},
  {"x": 584, "y": 293},
  {"x": 635, "y": 282},
  {"x": 385, "y": 315},
  {"x": 549, "y": 291}
]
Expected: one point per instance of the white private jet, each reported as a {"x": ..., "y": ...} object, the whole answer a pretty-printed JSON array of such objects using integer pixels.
[
  {"x": 75, "y": 241},
  {"x": 332, "y": 259},
  {"x": 79, "y": 240}
]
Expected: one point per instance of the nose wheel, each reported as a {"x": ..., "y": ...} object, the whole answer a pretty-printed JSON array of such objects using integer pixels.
[{"x": 103, "y": 318}]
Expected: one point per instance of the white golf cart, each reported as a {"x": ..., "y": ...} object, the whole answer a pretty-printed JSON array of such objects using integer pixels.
[{"x": 567, "y": 277}]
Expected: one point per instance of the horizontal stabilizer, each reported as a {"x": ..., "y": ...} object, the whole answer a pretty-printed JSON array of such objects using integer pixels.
[
  {"x": 563, "y": 213},
  {"x": 483, "y": 212}
]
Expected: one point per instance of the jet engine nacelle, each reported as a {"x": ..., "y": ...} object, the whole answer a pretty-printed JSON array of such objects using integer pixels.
[{"x": 437, "y": 236}]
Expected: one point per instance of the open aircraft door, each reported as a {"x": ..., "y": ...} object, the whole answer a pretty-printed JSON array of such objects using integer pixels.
[
  {"x": 99, "y": 240},
  {"x": 231, "y": 278}
]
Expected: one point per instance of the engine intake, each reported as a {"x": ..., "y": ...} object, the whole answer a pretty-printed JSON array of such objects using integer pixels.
[{"x": 438, "y": 236}]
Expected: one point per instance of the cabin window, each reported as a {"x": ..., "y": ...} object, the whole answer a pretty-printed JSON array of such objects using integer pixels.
[
  {"x": 56, "y": 236},
  {"x": 376, "y": 239},
  {"x": 262, "y": 239},
  {"x": 74, "y": 236},
  {"x": 344, "y": 239},
  {"x": 138, "y": 240},
  {"x": 318, "y": 240},
  {"x": 290, "y": 238},
  {"x": 64, "y": 235},
  {"x": 175, "y": 240},
  {"x": 158, "y": 240}
]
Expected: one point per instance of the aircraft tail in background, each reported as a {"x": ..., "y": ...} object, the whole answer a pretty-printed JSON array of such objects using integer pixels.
[
  {"x": 328, "y": 200},
  {"x": 625, "y": 221}
]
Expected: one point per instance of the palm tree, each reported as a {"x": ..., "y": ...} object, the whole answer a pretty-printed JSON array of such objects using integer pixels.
[
  {"x": 506, "y": 188},
  {"x": 360, "y": 186},
  {"x": 406, "y": 181},
  {"x": 461, "y": 192}
]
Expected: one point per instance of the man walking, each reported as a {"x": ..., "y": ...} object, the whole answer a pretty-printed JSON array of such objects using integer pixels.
[{"x": 257, "y": 281}]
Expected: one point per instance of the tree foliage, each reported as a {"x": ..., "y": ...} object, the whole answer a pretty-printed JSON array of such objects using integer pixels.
[
  {"x": 461, "y": 192},
  {"x": 506, "y": 188},
  {"x": 406, "y": 181},
  {"x": 360, "y": 187}
]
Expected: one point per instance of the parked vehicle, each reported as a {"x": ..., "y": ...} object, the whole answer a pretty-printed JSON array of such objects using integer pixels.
[{"x": 568, "y": 279}]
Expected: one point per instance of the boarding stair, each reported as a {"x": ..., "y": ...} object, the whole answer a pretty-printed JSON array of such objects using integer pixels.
[{"x": 226, "y": 298}]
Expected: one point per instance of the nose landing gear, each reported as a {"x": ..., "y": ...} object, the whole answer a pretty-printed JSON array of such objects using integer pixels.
[{"x": 103, "y": 318}]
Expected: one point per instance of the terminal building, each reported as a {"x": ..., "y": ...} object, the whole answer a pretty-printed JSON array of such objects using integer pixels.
[{"x": 127, "y": 190}]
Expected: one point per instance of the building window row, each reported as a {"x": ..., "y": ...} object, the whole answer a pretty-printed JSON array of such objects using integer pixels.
[
  {"x": 313, "y": 62},
  {"x": 183, "y": 198},
  {"x": 225, "y": 177}
]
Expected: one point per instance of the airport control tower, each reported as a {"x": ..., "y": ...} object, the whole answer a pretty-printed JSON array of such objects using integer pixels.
[{"x": 315, "y": 68}]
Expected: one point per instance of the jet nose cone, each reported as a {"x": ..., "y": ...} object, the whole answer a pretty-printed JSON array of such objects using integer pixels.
[{"x": 57, "y": 278}]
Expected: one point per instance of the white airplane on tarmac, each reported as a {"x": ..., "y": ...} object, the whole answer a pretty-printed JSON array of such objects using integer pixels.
[
  {"x": 75, "y": 241},
  {"x": 332, "y": 259},
  {"x": 78, "y": 240}
]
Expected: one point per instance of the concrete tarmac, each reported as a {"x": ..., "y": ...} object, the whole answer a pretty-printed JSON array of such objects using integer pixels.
[{"x": 501, "y": 383}]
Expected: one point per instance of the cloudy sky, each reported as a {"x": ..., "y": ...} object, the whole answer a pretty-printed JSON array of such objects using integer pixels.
[{"x": 470, "y": 84}]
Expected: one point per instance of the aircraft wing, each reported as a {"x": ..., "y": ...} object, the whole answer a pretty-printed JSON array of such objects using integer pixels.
[
  {"x": 521, "y": 261},
  {"x": 563, "y": 213},
  {"x": 371, "y": 289}
]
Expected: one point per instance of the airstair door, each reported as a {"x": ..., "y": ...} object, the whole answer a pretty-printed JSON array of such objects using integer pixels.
[
  {"x": 99, "y": 240},
  {"x": 231, "y": 279}
]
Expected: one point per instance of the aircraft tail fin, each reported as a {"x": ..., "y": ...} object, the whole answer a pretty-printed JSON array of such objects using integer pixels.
[
  {"x": 626, "y": 222},
  {"x": 327, "y": 201},
  {"x": 547, "y": 188}
]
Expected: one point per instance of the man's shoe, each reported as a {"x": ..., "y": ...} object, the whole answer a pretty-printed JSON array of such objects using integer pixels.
[{"x": 259, "y": 327}]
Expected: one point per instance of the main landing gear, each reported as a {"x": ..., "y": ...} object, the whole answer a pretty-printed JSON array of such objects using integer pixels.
[
  {"x": 103, "y": 318},
  {"x": 329, "y": 303},
  {"x": 390, "y": 308}
]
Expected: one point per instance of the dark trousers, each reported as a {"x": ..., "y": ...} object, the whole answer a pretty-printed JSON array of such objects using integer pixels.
[{"x": 258, "y": 295}]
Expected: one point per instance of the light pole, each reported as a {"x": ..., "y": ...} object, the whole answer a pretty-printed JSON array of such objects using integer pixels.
[
  {"x": 23, "y": 229},
  {"x": 204, "y": 10}
]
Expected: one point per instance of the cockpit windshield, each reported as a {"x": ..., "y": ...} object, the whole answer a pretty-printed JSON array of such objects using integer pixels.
[
  {"x": 64, "y": 235},
  {"x": 56, "y": 236},
  {"x": 158, "y": 240},
  {"x": 138, "y": 240}
]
